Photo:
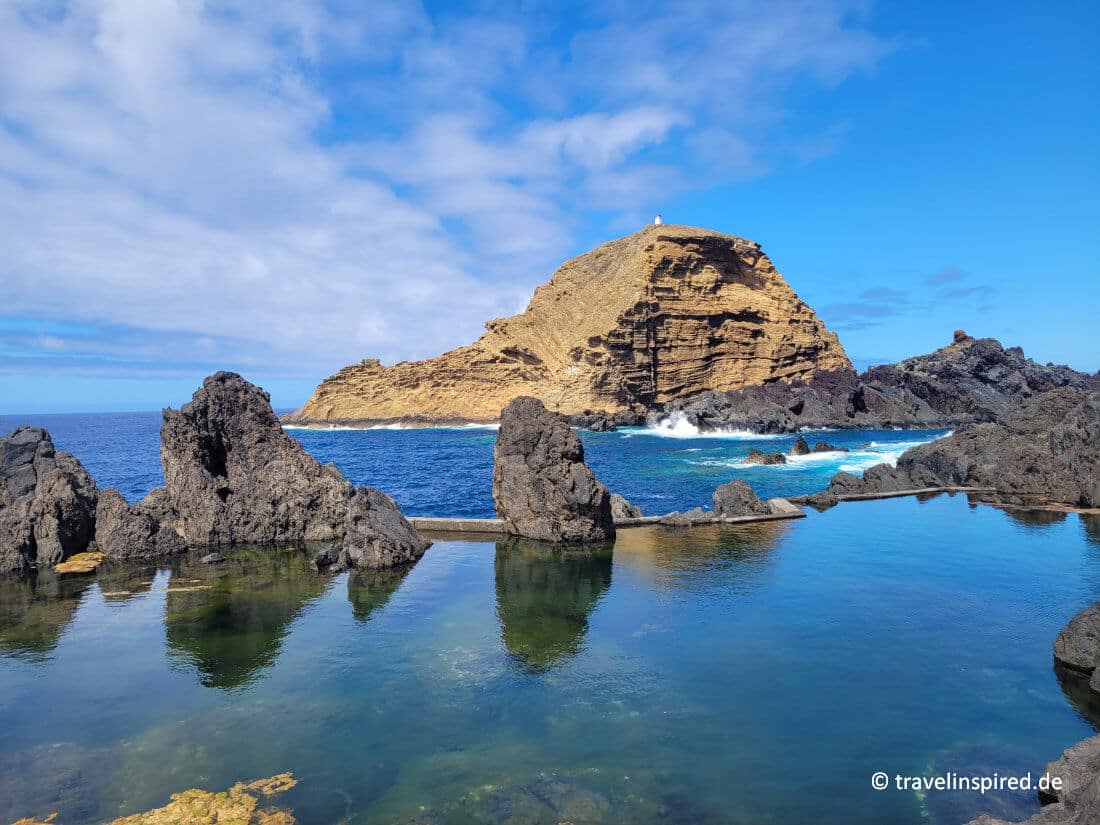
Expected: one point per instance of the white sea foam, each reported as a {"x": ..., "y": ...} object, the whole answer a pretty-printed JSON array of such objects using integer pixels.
[
  {"x": 332, "y": 427},
  {"x": 857, "y": 461},
  {"x": 677, "y": 426},
  {"x": 395, "y": 426}
]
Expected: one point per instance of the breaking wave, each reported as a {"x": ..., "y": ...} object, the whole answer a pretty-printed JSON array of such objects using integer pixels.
[
  {"x": 856, "y": 461},
  {"x": 395, "y": 426},
  {"x": 677, "y": 426}
]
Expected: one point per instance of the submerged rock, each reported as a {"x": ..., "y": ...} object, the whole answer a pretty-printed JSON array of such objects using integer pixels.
[
  {"x": 542, "y": 488},
  {"x": 621, "y": 509},
  {"x": 551, "y": 800},
  {"x": 47, "y": 502},
  {"x": 212, "y": 558},
  {"x": 234, "y": 476},
  {"x": 240, "y": 805},
  {"x": 60, "y": 782},
  {"x": 125, "y": 532}
]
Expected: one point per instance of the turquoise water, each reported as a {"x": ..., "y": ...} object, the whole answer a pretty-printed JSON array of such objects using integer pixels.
[{"x": 717, "y": 675}]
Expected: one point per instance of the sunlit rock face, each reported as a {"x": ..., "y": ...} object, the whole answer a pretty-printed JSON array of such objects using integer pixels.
[{"x": 659, "y": 315}]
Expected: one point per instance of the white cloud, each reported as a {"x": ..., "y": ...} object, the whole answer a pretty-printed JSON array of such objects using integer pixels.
[{"x": 297, "y": 185}]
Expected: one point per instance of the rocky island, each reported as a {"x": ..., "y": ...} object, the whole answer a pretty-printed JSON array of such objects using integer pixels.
[{"x": 664, "y": 314}]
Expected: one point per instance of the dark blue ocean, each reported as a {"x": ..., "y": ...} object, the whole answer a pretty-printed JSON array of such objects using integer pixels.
[{"x": 448, "y": 471}]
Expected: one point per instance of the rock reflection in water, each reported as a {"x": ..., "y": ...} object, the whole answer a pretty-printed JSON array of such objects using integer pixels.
[
  {"x": 368, "y": 590},
  {"x": 228, "y": 620},
  {"x": 1091, "y": 523},
  {"x": 683, "y": 558},
  {"x": 1035, "y": 517},
  {"x": 544, "y": 598},
  {"x": 1084, "y": 700},
  {"x": 35, "y": 611}
]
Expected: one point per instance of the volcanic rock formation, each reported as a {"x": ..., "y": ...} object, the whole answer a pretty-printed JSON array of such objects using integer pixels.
[
  {"x": 47, "y": 502},
  {"x": 662, "y": 314},
  {"x": 542, "y": 488},
  {"x": 971, "y": 380},
  {"x": 234, "y": 477},
  {"x": 125, "y": 532},
  {"x": 1047, "y": 449}
]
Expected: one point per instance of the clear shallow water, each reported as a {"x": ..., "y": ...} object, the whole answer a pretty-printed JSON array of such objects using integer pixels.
[
  {"x": 752, "y": 674},
  {"x": 449, "y": 471}
]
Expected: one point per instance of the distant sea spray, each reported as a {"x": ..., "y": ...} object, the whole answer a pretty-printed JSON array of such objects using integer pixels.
[{"x": 676, "y": 425}]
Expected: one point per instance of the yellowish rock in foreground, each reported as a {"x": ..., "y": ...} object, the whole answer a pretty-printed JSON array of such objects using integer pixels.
[
  {"x": 80, "y": 563},
  {"x": 662, "y": 314},
  {"x": 237, "y": 806}
]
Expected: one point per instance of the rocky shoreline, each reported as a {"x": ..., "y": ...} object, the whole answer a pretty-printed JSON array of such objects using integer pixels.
[{"x": 232, "y": 477}]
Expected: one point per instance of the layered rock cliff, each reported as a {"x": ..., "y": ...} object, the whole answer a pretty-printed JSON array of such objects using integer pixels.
[{"x": 663, "y": 314}]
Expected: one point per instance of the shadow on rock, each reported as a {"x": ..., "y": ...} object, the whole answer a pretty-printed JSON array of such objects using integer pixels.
[
  {"x": 544, "y": 598},
  {"x": 228, "y": 620}
]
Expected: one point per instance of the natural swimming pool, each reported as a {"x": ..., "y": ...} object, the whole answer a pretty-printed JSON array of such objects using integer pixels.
[{"x": 752, "y": 674}]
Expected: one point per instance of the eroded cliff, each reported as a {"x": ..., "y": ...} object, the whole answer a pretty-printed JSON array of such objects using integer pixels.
[{"x": 662, "y": 314}]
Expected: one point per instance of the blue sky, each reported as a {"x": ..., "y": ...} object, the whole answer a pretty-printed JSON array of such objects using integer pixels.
[{"x": 284, "y": 188}]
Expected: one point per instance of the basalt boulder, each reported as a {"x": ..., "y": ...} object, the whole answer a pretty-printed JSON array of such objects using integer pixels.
[
  {"x": 800, "y": 447},
  {"x": 736, "y": 498},
  {"x": 542, "y": 488},
  {"x": 125, "y": 532},
  {"x": 621, "y": 509},
  {"x": 378, "y": 536},
  {"x": 233, "y": 476},
  {"x": 47, "y": 502},
  {"x": 1077, "y": 646}
]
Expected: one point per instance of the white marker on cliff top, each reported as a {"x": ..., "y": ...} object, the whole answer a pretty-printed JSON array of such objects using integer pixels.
[{"x": 657, "y": 220}]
